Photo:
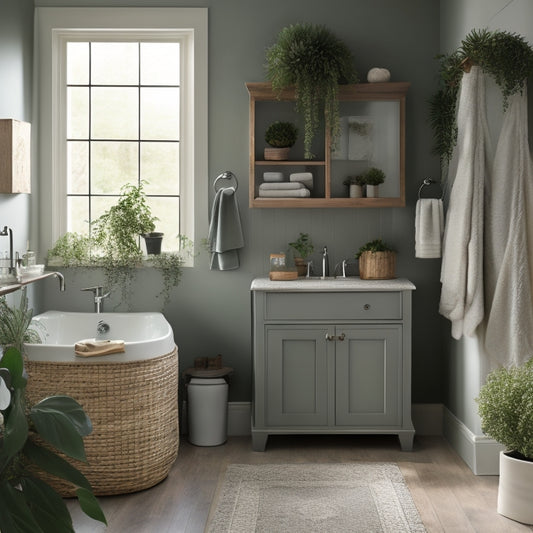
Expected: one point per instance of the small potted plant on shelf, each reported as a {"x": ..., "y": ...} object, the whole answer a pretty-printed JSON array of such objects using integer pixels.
[
  {"x": 373, "y": 177},
  {"x": 355, "y": 186},
  {"x": 376, "y": 260},
  {"x": 281, "y": 136},
  {"x": 303, "y": 248},
  {"x": 506, "y": 409}
]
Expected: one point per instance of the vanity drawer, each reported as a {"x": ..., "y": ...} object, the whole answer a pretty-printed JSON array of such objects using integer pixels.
[{"x": 298, "y": 306}]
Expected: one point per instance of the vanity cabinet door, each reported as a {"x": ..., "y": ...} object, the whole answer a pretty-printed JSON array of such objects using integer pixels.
[
  {"x": 369, "y": 376},
  {"x": 296, "y": 369}
]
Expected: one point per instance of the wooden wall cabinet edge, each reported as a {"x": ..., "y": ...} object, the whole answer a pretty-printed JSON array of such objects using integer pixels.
[{"x": 262, "y": 92}]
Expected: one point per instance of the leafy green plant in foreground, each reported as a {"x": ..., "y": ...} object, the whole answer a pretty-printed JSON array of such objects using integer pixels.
[{"x": 28, "y": 504}]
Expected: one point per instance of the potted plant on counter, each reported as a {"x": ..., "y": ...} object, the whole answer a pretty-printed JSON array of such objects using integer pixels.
[
  {"x": 506, "y": 409},
  {"x": 373, "y": 178},
  {"x": 376, "y": 260},
  {"x": 281, "y": 136},
  {"x": 303, "y": 248}
]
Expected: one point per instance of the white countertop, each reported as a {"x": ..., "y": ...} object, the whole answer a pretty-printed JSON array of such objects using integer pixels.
[{"x": 349, "y": 284}]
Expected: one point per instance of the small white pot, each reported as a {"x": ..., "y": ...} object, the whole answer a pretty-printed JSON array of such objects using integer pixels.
[
  {"x": 372, "y": 191},
  {"x": 356, "y": 191},
  {"x": 515, "y": 489}
]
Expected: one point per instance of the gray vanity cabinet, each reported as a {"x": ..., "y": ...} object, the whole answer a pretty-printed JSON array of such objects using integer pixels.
[{"x": 331, "y": 361}]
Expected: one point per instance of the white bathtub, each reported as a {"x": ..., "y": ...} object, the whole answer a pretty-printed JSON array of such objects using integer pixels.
[{"x": 146, "y": 335}]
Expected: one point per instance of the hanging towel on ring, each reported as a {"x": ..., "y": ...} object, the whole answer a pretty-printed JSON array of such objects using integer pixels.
[
  {"x": 225, "y": 231},
  {"x": 429, "y": 227},
  {"x": 462, "y": 297}
]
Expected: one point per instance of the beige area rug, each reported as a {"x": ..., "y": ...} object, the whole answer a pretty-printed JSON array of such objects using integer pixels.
[{"x": 325, "y": 498}]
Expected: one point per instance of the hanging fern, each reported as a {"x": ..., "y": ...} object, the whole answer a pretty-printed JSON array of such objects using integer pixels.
[
  {"x": 314, "y": 61},
  {"x": 505, "y": 56}
]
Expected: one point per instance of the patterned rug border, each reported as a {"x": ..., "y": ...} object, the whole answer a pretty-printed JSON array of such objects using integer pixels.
[{"x": 242, "y": 482}]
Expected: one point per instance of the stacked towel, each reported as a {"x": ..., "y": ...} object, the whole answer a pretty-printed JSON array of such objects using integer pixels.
[
  {"x": 283, "y": 190},
  {"x": 92, "y": 347},
  {"x": 429, "y": 227},
  {"x": 225, "y": 231},
  {"x": 272, "y": 176},
  {"x": 303, "y": 177}
]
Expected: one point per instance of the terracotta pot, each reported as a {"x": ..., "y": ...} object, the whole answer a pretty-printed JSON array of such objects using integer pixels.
[{"x": 515, "y": 488}]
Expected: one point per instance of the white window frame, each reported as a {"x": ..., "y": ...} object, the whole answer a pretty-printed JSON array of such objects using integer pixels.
[{"x": 53, "y": 28}]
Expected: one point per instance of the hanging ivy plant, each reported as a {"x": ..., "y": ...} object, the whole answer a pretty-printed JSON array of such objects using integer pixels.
[
  {"x": 314, "y": 61},
  {"x": 507, "y": 57}
]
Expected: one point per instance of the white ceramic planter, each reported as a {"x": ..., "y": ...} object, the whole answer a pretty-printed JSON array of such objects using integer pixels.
[
  {"x": 372, "y": 191},
  {"x": 515, "y": 489},
  {"x": 356, "y": 191}
]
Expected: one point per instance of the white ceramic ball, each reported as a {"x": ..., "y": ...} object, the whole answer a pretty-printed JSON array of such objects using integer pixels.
[{"x": 376, "y": 75}]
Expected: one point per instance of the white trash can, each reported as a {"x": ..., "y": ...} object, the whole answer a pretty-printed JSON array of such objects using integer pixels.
[{"x": 207, "y": 406}]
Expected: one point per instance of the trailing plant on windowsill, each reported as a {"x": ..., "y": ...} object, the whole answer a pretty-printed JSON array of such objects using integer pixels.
[
  {"x": 314, "y": 61},
  {"x": 505, "y": 56}
]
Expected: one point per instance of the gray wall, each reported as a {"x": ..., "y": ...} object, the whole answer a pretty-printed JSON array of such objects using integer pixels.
[
  {"x": 467, "y": 364},
  {"x": 210, "y": 311}
]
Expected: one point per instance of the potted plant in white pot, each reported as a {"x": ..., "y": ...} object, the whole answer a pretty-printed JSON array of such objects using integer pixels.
[
  {"x": 373, "y": 178},
  {"x": 281, "y": 136},
  {"x": 355, "y": 186},
  {"x": 506, "y": 409}
]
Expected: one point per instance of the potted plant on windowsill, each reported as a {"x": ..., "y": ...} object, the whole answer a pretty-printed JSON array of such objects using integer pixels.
[
  {"x": 303, "y": 248},
  {"x": 376, "y": 260},
  {"x": 281, "y": 136},
  {"x": 506, "y": 409},
  {"x": 373, "y": 178}
]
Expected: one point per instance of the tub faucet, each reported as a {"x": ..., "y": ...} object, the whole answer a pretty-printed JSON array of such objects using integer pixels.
[{"x": 98, "y": 297}]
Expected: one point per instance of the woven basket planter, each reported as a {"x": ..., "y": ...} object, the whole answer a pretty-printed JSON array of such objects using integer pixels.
[
  {"x": 133, "y": 407},
  {"x": 377, "y": 265},
  {"x": 276, "y": 154}
]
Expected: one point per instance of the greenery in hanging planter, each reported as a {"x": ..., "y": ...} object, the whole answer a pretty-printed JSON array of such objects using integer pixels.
[
  {"x": 505, "y": 56},
  {"x": 314, "y": 61},
  {"x": 281, "y": 134},
  {"x": 505, "y": 405}
]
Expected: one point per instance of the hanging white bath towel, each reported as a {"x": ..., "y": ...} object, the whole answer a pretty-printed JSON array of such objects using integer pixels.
[
  {"x": 509, "y": 241},
  {"x": 462, "y": 260},
  {"x": 429, "y": 227}
]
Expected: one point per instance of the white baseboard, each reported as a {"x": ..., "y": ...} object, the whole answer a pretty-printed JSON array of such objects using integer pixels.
[{"x": 479, "y": 452}]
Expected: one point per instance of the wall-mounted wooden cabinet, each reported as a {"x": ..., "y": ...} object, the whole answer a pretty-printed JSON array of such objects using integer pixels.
[{"x": 372, "y": 135}]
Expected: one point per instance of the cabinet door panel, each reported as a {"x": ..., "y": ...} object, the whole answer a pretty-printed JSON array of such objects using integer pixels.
[
  {"x": 297, "y": 376},
  {"x": 368, "y": 376}
]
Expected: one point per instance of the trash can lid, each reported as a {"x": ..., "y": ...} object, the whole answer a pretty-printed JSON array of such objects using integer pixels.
[
  {"x": 210, "y": 381},
  {"x": 209, "y": 374}
]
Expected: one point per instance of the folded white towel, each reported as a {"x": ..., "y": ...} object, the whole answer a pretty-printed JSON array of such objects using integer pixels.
[
  {"x": 429, "y": 227},
  {"x": 272, "y": 176},
  {"x": 285, "y": 193},
  {"x": 280, "y": 186},
  {"x": 303, "y": 177}
]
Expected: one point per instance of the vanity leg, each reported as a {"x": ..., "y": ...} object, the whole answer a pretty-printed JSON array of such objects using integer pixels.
[
  {"x": 259, "y": 441},
  {"x": 406, "y": 440}
]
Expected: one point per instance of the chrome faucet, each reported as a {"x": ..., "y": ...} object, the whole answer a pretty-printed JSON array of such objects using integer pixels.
[
  {"x": 98, "y": 297},
  {"x": 325, "y": 263},
  {"x": 61, "y": 281},
  {"x": 342, "y": 264},
  {"x": 5, "y": 232}
]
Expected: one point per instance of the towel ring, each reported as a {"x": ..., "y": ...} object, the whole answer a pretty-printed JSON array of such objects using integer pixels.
[
  {"x": 226, "y": 175},
  {"x": 427, "y": 182}
]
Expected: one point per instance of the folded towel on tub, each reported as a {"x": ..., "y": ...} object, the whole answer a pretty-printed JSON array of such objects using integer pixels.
[{"x": 92, "y": 347}]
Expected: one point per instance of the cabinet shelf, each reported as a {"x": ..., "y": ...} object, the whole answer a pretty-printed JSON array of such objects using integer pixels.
[{"x": 370, "y": 101}]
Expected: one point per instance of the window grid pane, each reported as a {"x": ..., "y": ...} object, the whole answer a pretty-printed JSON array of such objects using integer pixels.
[{"x": 122, "y": 131}]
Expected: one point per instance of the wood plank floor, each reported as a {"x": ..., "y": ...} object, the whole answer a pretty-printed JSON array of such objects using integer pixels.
[{"x": 448, "y": 496}]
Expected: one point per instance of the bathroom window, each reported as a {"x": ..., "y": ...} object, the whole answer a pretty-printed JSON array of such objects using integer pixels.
[{"x": 129, "y": 103}]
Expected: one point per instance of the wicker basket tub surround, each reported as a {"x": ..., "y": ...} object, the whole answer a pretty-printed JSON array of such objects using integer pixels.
[{"x": 133, "y": 407}]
